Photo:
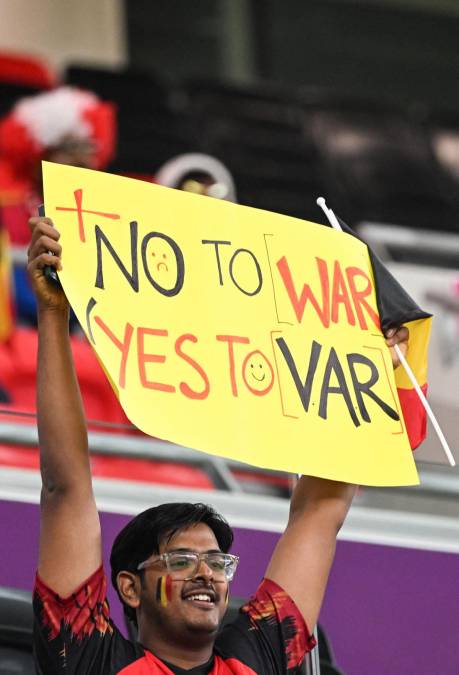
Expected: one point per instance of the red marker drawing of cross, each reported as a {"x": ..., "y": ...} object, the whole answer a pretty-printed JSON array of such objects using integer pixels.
[{"x": 79, "y": 204}]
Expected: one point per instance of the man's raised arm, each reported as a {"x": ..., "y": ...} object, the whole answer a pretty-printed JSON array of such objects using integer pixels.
[
  {"x": 70, "y": 545},
  {"x": 303, "y": 556}
]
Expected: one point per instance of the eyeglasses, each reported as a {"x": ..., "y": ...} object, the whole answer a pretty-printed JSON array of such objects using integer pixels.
[{"x": 223, "y": 565}]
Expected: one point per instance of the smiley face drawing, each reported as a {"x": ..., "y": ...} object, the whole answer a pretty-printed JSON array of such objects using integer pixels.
[
  {"x": 163, "y": 263},
  {"x": 258, "y": 373}
]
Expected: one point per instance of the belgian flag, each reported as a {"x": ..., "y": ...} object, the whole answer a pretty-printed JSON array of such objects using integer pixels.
[{"x": 397, "y": 308}]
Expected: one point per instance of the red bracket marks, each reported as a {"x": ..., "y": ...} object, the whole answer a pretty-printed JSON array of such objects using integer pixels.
[{"x": 293, "y": 417}]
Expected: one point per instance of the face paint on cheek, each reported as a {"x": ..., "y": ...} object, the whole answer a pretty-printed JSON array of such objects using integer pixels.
[
  {"x": 164, "y": 590},
  {"x": 227, "y": 596}
]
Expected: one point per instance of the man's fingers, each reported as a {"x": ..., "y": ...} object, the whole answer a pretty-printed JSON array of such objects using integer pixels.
[
  {"x": 44, "y": 244},
  {"x": 44, "y": 241},
  {"x": 397, "y": 336},
  {"x": 44, "y": 260},
  {"x": 43, "y": 226},
  {"x": 33, "y": 222},
  {"x": 45, "y": 251}
]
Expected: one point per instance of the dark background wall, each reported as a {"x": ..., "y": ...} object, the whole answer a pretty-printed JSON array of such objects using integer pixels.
[
  {"x": 175, "y": 38},
  {"x": 402, "y": 52},
  {"x": 393, "y": 52}
]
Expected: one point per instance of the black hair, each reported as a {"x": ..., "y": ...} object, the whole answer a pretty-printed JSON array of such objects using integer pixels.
[{"x": 143, "y": 535}]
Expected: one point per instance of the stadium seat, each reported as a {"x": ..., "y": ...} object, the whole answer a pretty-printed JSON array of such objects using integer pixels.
[
  {"x": 255, "y": 481},
  {"x": 16, "y": 621},
  {"x": 26, "y": 70},
  {"x": 98, "y": 396},
  {"x": 325, "y": 648},
  {"x": 16, "y": 661},
  {"x": 18, "y": 360},
  {"x": 126, "y": 468},
  {"x": 18, "y": 368}
]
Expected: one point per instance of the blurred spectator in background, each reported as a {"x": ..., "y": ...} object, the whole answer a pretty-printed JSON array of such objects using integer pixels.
[
  {"x": 198, "y": 173},
  {"x": 64, "y": 125},
  {"x": 448, "y": 326}
]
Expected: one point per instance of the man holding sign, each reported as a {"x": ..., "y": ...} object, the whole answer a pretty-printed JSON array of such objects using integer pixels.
[{"x": 171, "y": 565}]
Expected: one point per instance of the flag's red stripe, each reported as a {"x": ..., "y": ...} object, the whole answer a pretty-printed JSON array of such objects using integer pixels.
[{"x": 414, "y": 415}]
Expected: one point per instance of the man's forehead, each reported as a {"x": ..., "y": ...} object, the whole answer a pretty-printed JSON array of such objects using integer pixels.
[{"x": 198, "y": 537}]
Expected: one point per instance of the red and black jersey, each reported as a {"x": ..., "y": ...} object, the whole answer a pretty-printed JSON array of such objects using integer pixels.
[{"x": 75, "y": 635}]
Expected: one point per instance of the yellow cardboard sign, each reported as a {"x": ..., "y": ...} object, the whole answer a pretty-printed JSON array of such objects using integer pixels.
[{"x": 236, "y": 331}]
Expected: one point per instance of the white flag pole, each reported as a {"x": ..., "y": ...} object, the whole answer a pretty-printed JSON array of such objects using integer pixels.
[{"x": 334, "y": 222}]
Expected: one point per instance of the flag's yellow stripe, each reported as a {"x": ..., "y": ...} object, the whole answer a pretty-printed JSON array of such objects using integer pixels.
[{"x": 417, "y": 354}]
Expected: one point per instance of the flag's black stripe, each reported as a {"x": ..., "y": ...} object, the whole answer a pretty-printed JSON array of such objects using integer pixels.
[{"x": 395, "y": 305}]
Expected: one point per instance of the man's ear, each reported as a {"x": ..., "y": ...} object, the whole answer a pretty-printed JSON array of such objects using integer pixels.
[{"x": 129, "y": 588}]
